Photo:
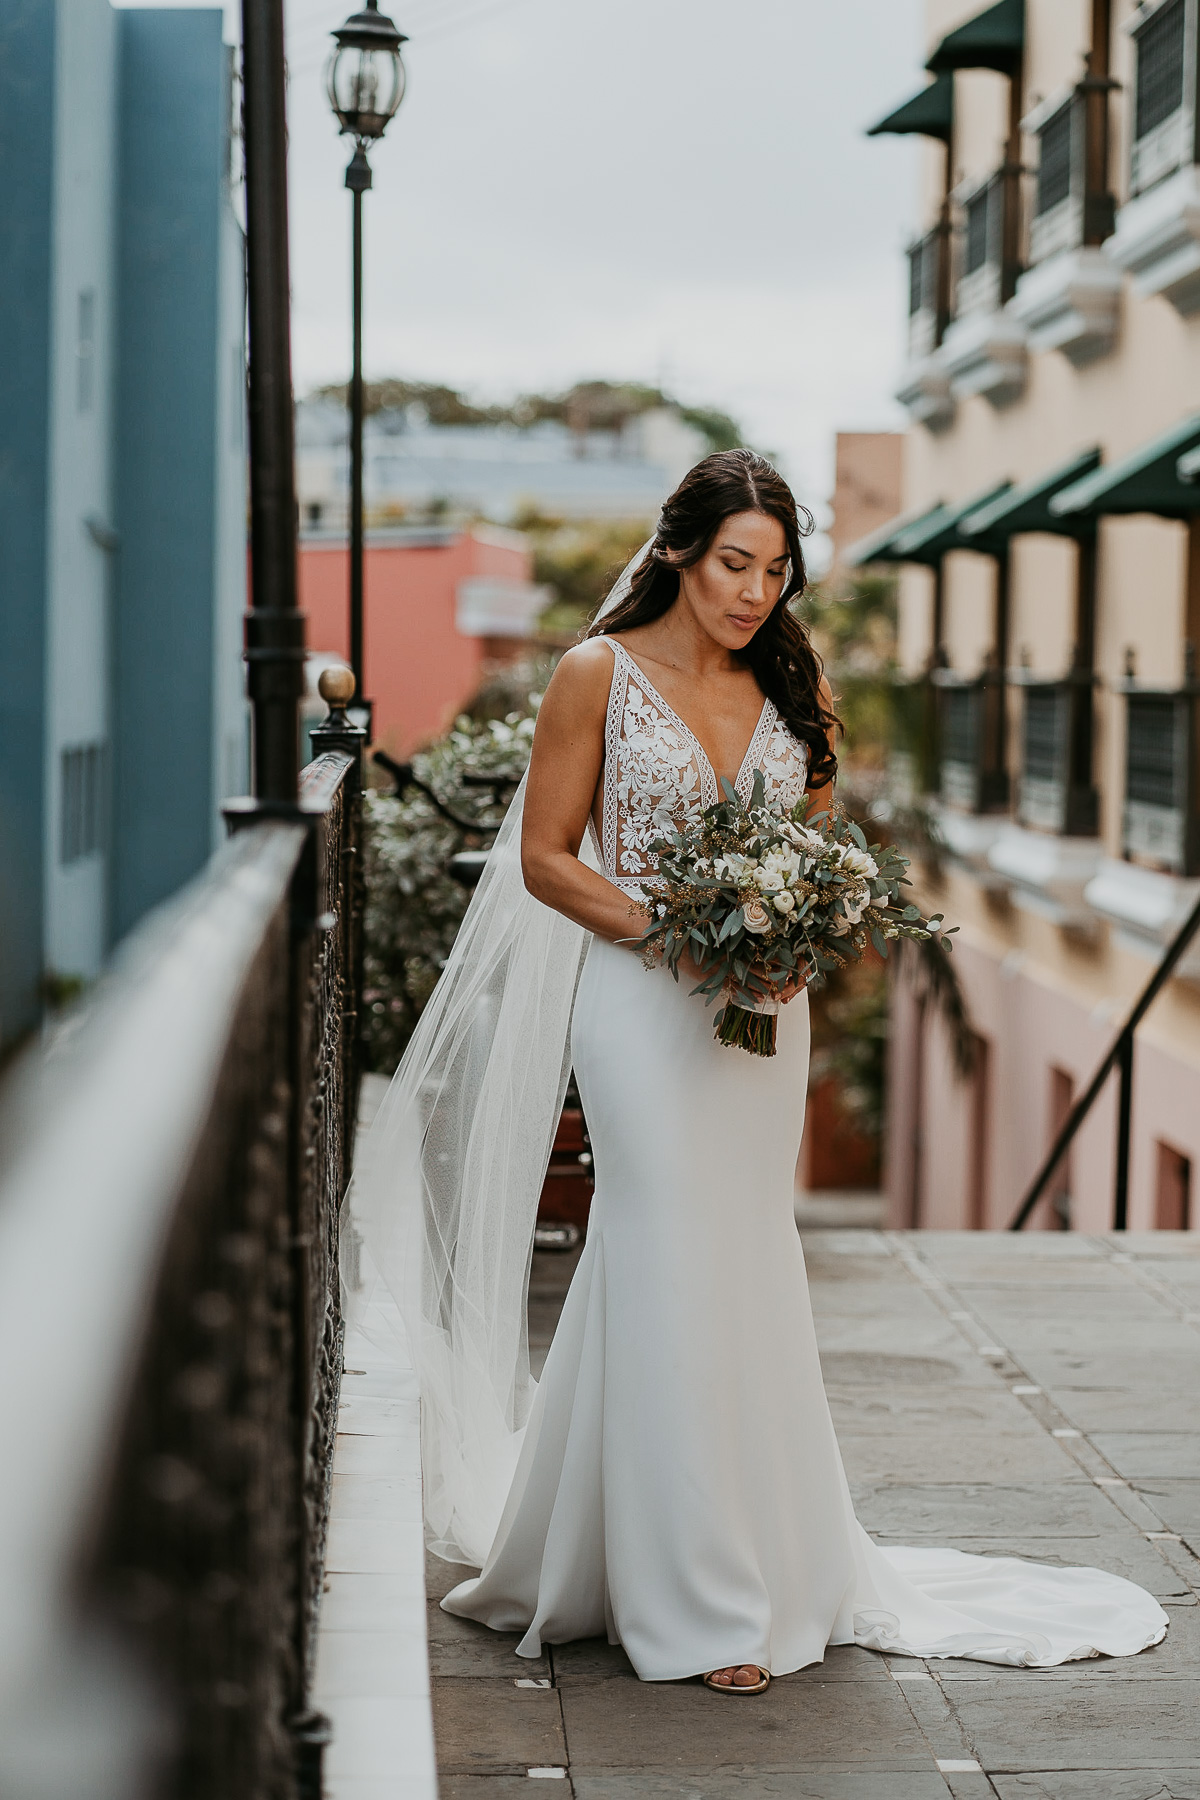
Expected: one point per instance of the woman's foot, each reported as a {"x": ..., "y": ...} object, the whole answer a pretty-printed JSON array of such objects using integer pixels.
[{"x": 741, "y": 1678}]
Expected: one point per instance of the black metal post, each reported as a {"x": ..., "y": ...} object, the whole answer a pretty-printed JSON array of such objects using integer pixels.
[
  {"x": 274, "y": 625},
  {"x": 1124, "y": 1120},
  {"x": 358, "y": 180}
]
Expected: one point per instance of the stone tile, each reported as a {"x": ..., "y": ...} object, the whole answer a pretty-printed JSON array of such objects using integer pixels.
[
  {"x": 797, "y": 1724},
  {"x": 381, "y": 1787},
  {"x": 1072, "y": 1723},
  {"x": 882, "y": 1369},
  {"x": 923, "y": 1335},
  {"x": 751, "y": 1784},
  {"x": 1174, "y": 1454},
  {"x": 371, "y": 1496},
  {"x": 1092, "y": 1784},
  {"x": 378, "y": 1416},
  {"x": 1133, "y": 1370},
  {"x": 1024, "y": 1307},
  {"x": 592, "y": 1659},
  {"x": 380, "y": 1738},
  {"x": 826, "y": 1265},
  {"x": 928, "y": 1411},
  {"x": 1177, "y": 1504},
  {"x": 955, "y": 1456},
  {"x": 459, "y": 1647},
  {"x": 373, "y": 1546},
  {"x": 494, "y": 1787},
  {"x": 492, "y": 1727},
  {"x": 370, "y": 1602},
  {"x": 391, "y": 1458},
  {"x": 372, "y": 1664},
  {"x": 1099, "y": 1408},
  {"x": 950, "y": 1511},
  {"x": 441, "y": 1576}
]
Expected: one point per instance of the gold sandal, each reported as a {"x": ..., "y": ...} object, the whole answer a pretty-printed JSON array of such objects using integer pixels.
[{"x": 730, "y": 1687}]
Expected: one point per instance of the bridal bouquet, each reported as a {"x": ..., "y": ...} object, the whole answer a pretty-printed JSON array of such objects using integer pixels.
[{"x": 760, "y": 898}]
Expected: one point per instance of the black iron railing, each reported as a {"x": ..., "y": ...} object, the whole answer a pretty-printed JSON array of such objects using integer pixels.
[
  {"x": 1120, "y": 1058},
  {"x": 169, "y": 1278}
]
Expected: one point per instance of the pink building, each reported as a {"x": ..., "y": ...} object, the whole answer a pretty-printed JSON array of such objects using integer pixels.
[{"x": 442, "y": 606}]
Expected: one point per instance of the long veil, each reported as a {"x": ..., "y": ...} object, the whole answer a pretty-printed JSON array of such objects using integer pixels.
[{"x": 446, "y": 1183}]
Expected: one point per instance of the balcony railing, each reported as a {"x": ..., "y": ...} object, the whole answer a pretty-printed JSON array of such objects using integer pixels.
[
  {"x": 1159, "y": 820},
  {"x": 169, "y": 1292}
]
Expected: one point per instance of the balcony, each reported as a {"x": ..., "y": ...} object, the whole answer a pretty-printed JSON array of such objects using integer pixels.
[
  {"x": 925, "y": 387},
  {"x": 1157, "y": 237},
  {"x": 972, "y": 774},
  {"x": 985, "y": 350},
  {"x": 1159, "y": 823}
]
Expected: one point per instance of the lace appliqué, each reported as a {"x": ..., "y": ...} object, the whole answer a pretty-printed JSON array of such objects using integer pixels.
[{"x": 657, "y": 776}]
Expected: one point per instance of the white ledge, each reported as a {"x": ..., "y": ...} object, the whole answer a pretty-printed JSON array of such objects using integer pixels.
[
  {"x": 1071, "y": 302},
  {"x": 1147, "y": 906},
  {"x": 969, "y": 837},
  {"x": 986, "y": 353},
  {"x": 372, "y": 1675},
  {"x": 1047, "y": 874},
  {"x": 924, "y": 392},
  {"x": 1157, "y": 240}
]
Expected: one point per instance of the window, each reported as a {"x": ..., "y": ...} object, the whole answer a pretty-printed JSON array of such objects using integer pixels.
[
  {"x": 1172, "y": 1189},
  {"x": 1164, "y": 101},
  {"x": 1043, "y": 760},
  {"x": 85, "y": 351},
  {"x": 924, "y": 267},
  {"x": 82, "y": 802}
]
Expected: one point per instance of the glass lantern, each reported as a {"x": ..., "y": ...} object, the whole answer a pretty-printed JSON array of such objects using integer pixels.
[{"x": 366, "y": 76}]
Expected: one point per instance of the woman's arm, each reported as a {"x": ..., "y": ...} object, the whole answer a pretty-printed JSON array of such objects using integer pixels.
[{"x": 568, "y": 755}]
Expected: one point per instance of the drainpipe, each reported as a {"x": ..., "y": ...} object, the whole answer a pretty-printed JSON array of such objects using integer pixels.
[{"x": 1099, "y": 205}]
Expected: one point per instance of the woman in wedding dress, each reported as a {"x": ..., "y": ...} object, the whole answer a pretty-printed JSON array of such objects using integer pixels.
[{"x": 674, "y": 1481}]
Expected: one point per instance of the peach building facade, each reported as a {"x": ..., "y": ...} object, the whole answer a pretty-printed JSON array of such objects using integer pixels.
[
  {"x": 1049, "y": 557},
  {"x": 442, "y": 605}
]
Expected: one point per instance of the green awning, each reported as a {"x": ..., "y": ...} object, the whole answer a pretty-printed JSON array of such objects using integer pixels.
[
  {"x": 928, "y": 114},
  {"x": 928, "y": 540},
  {"x": 880, "y": 546},
  {"x": 1027, "y": 508},
  {"x": 993, "y": 39},
  {"x": 1145, "y": 482}
]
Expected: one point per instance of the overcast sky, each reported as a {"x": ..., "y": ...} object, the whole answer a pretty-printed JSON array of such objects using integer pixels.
[{"x": 673, "y": 191}]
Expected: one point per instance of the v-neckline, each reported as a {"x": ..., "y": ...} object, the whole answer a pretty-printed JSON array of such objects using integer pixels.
[{"x": 686, "y": 728}]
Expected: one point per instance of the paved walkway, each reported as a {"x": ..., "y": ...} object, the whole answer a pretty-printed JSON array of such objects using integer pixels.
[{"x": 1037, "y": 1396}]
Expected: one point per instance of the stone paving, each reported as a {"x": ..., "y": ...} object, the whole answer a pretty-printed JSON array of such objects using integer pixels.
[{"x": 1036, "y": 1396}]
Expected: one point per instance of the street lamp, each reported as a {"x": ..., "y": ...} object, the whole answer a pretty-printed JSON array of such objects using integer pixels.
[{"x": 365, "y": 80}]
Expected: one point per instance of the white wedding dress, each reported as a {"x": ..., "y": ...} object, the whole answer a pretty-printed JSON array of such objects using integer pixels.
[{"x": 679, "y": 1485}]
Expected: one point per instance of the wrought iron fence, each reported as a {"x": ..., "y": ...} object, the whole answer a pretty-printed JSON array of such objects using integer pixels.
[{"x": 170, "y": 1325}]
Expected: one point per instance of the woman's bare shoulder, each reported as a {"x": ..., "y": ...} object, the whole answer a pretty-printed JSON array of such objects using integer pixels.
[{"x": 585, "y": 670}]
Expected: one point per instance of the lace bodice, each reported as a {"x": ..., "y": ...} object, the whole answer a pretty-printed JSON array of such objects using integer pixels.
[{"x": 657, "y": 776}]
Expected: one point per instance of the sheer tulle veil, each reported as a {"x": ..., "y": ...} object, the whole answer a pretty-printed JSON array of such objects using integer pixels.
[{"x": 442, "y": 1207}]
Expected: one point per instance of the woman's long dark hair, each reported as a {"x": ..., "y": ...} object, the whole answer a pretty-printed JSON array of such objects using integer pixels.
[{"x": 785, "y": 665}]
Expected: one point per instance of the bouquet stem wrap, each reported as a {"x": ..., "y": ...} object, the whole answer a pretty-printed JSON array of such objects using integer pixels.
[{"x": 751, "y": 1028}]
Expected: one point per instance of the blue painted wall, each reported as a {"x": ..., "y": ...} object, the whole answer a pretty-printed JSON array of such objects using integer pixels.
[
  {"x": 27, "y": 45},
  {"x": 173, "y": 154}
]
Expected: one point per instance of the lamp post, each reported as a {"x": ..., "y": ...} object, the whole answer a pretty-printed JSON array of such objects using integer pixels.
[{"x": 365, "y": 79}]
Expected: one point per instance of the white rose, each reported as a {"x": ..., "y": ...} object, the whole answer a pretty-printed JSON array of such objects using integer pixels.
[
  {"x": 784, "y": 903},
  {"x": 854, "y": 905},
  {"x": 858, "y": 863},
  {"x": 756, "y": 917}
]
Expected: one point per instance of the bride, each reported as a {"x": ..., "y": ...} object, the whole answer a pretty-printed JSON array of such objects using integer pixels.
[{"x": 674, "y": 1480}]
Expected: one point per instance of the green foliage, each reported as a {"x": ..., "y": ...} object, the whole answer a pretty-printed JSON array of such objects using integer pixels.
[
  {"x": 854, "y": 629},
  {"x": 580, "y": 560},
  {"x": 849, "y": 1039},
  {"x": 414, "y": 907}
]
